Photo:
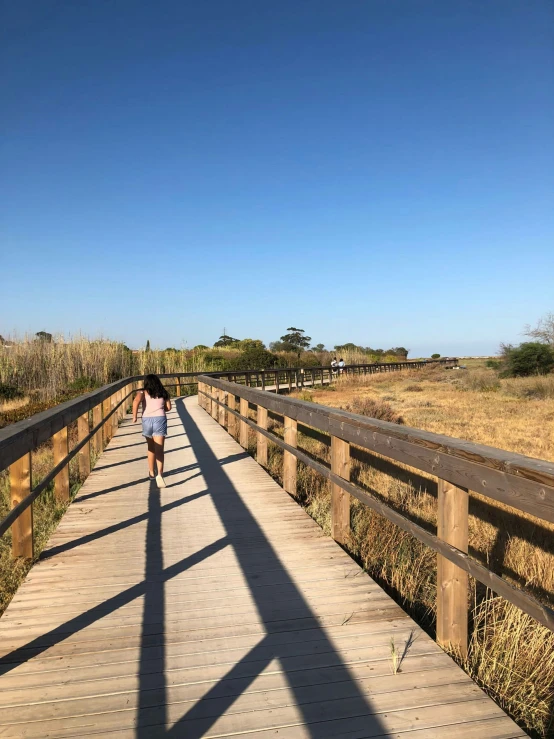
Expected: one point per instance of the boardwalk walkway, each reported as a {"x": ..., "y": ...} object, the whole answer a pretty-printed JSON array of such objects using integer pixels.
[{"x": 215, "y": 608}]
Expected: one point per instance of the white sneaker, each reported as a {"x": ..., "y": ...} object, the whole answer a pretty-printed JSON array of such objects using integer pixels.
[{"x": 160, "y": 482}]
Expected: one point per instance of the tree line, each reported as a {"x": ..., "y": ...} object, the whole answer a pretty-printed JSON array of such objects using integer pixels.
[{"x": 296, "y": 341}]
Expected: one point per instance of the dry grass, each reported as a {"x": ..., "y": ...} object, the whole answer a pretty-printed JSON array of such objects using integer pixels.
[
  {"x": 373, "y": 409},
  {"x": 47, "y": 370},
  {"x": 510, "y": 655},
  {"x": 15, "y": 404}
]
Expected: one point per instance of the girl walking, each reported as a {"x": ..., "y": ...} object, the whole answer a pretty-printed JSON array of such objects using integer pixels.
[{"x": 155, "y": 404}]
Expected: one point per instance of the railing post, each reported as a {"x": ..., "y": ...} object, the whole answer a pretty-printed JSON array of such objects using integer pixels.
[
  {"x": 263, "y": 379},
  {"x": 130, "y": 388},
  {"x": 243, "y": 426},
  {"x": 276, "y": 382},
  {"x": 289, "y": 460},
  {"x": 106, "y": 428},
  {"x": 340, "y": 499},
  {"x": 452, "y": 582},
  {"x": 231, "y": 419},
  {"x": 96, "y": 419},
  {"x": 289, "y": 375},
  {"x": 222, "y": 411},
  {"x": 61, "y": 450},
  {"x": 261, "y": 452},
  {"x": 178, "y": 387},
  {"x": 200, "y": 397},
  {"x": 215, "y": 408},
  {"x": 114, "y": 417},
  {"x": 84, "y": 454},
  {"x": 22, "y": 527}
]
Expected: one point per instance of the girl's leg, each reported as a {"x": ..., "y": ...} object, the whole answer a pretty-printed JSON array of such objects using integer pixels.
[
  {"x": 151, "y": 456},
  {"x": 159, "y": 445}
]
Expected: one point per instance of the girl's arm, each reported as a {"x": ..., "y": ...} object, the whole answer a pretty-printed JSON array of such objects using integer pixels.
[
  {"x": 168, "y": 405},
  {"x": 136, "y": 402}
]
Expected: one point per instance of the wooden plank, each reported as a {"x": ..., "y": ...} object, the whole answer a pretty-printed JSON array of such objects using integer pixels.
[
  {"x": 261, "y": 453},
  {"x": 243, "y": 426},
  {"x": 452, "y": 582},
  {"x": 20, "y": 487},
  {"x": 340, "y": 499},
  {"x": 289, "y": 460},
  {"x": 139, "y": 628},
  {"x": 84, "y": 454},
  {"x": 61, "y": 450}
]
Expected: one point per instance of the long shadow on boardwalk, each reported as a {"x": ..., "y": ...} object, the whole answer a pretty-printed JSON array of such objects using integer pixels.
[{"x": 289, "y": 613}]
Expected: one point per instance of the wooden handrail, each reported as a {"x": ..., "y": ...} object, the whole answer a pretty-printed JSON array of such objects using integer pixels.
[
  {"x": 514, "y": 479},
  {"x": 51, "y": 476},
  {"x": 522, "y": 482},
  {"x": 19, "y": 440}
]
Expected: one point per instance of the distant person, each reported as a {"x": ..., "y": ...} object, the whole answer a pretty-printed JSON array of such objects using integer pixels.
[
  {"x": 334, "y": 366},
  {"x": 341, "y": 365},
  {"x": 155, "y": 404}
]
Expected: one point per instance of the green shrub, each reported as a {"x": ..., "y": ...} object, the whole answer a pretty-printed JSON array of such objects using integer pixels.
[
  {"x": 82, "y": 385},
  {"x": 529, "y": 358},
  {"x": 494, "y": 364},
  {"x": 435, "y": 356},
  {"x": 254, "y": 358},
  {"x": 9, "y": 392}
]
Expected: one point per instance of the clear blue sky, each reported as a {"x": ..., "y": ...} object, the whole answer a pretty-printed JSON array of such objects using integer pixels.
[{"x": 376, "y": 171}]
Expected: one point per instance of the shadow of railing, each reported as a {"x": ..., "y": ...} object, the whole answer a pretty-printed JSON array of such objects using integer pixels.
[
  {"x": 292, "y": 613},
  {"x": 281, "y": 611}
]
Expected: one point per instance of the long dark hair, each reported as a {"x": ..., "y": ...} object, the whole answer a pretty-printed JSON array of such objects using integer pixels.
[{"x": 154, "y": 387}]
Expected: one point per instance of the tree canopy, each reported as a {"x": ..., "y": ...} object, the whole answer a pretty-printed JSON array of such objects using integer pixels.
[
  {"x": 44, "y": 336},
  {"x": 543, "y": 331},
  {"x": 226, "y": 341},
  {"x": 294, "y": 341}
]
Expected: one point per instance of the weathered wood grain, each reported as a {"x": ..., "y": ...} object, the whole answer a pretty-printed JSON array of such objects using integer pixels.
[{"x": 213, "y": 607}]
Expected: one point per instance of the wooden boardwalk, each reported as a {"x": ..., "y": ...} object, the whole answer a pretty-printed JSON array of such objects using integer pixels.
[{"x": 215, "y": 608}]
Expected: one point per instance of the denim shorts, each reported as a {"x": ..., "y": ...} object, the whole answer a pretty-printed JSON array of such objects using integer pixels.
[{"x": 154, "y": 426}]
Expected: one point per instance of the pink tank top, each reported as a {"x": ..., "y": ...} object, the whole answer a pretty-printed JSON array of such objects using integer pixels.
[{"x": 154, "y": 406}]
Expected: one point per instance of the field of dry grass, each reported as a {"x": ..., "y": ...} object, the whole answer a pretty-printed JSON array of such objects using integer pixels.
[{"x": 510, "y": 655}]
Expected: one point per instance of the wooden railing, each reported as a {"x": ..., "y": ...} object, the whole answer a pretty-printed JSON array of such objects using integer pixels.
[
  {"x": 283, "y": 378},
  {"x": 521, "y": 482},
  {"x": 97, "y": 415}
]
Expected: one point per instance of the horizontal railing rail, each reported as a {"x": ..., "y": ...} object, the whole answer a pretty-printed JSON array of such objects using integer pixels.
[{"x": 521, "y": 482}]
